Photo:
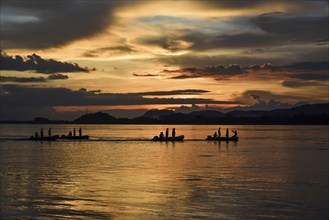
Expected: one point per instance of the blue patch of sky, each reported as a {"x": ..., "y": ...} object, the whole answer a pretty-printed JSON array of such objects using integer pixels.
[
  {"x": 12, "y": 15},
  {"x": 160, "y": 19},
  {"x": 211, "y": 26}
]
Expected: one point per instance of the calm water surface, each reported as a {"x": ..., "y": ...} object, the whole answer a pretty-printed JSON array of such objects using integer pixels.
[{"x": 273, "y": 172}]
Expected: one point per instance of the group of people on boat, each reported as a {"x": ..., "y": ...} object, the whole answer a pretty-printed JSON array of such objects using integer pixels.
[
  {"x": 41, "y": 136},
  {"x": 218, "y": 135},
  {"x": 74, "y": 133},
  {"x": 36, "y": 134},
  {"x": 165, "y": 136},
  {"x": 173, "y": 133}
]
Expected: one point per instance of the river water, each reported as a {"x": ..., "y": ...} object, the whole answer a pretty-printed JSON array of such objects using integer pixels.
[{"x": 272, "y": 172}]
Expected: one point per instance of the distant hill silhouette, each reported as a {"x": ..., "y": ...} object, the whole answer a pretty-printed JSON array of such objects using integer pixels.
[
  {"x": 207, "y": 114},
  {"x": 96, "y": 118},
  {"x": 40, "y": 120},
  {"x": 305, "y": 114},
  {"x": 156, "y": 113}
]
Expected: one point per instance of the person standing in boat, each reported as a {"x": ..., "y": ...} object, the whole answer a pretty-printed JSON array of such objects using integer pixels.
[
  {"x": 167, "y": 132},
  {"x": 227, "y": 132},
  {"x": 74, "y": 133},
  {"x": 49, "y": 132},
  {"x": 36, "y": 135},
  {"x": 41, "y": 133},
  {"x": 235, "y": 133},
  {"x": 219, "y": 133},
  {"x": 80, "y": 132},
  {"x": 173, "y": 132}
]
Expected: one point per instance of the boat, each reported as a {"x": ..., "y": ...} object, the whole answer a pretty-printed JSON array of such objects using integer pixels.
[
  {"x": 52, "y": 138},
  {"x": 178, "y": 138},
  {"x": 210, "y": 138},
  {"x": 67, "y": 137}
]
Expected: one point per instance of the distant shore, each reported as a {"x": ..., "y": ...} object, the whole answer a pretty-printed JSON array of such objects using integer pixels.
[{"x": 314, "y": 114}]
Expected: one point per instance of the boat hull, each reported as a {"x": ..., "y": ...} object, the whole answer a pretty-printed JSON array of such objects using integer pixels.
[
  {"x": 64, "y": 137},
  {"x": 52, "y": 138},
  {"x": 178, "y": 138},
  {"x": 210, "y": 138}
]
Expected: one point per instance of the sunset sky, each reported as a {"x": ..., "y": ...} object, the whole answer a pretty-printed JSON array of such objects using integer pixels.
[{"x": 60, "y": 58}]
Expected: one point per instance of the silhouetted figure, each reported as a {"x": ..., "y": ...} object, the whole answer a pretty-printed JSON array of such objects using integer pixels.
[
  {"x": 49, "y": 132},
  {"x": 227, "y": 132},
  {"x": 161, "y": 135},
  {"x": 36, "y": 135},
  {"x": 219, "y": 134},
  {"x": 41, "y": 133},
  {"x": 70, "y": 134},
  {"x": 80, "y": 132},
  {"x": 215, "y": 134},
  {"x": 74, "y": 134},
  {"x": 173, "y": 132},
  {"x": 167, "y": 132},
  {"x": 235, "y": 133}
]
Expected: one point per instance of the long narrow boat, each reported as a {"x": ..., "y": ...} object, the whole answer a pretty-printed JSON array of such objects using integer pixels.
[
  {"x": 210, "y": 138},
  {"x": 52, "y": 138},
  {"x": 178, "y": 138},
  {"x": 67, "y": 137}
]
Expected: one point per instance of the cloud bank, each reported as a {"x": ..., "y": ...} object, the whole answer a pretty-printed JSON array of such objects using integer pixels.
[
  {"x": 15, "y": 99},
  {"x": 299, "y": 70},
  {"x": 51, "y": 23},
  {"x": 36, "y": 63}
]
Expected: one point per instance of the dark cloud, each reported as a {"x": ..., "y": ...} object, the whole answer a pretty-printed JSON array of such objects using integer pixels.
[
  {"x": 267, "y": 95},
  {"x": 110, "y": 51},
  {"x": 22, "y": 79},
  {"x": 201, "y": 61},
  {"x": 216, "y": 72},
  {"x": 295, "y": 67},
  {"x": 185, "y": 76},
  {"x": 300, "y": 5},
  {"x": 198, "y": 41},
  {"x": 236, "y": 4},
  {"x": 57, "y": 76},
  {"x": 310, "y": 76},
  {"x": 292, "y": 28},
  {"x": 32, "y": 79},
  {"x": 311, "y": 66},
  {"x": 295, "y": 55},
  {"x": 300, "y": 70},
  {"x": 14, "y": 98},
  {"x": 322, "y": 42},
  {"x": 266, "y": 100},
  {"x": 175, "y": 92},
  {"x": 49, "y": 96},
  {"x": 36, "y": 63},
  {"x": 52, "y": 23},
  {"x": 255, "y": 51},
  {"x": 168, "y": 42},
  {"x": 298, "y": 84},
  {"x": 145, "y": 75},
  {"x": 202, "y": 42},
  {"x": 266, "y": 31}
]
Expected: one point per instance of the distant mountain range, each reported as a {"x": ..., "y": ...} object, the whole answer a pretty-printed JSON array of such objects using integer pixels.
[{"x": 305, "y": 114}]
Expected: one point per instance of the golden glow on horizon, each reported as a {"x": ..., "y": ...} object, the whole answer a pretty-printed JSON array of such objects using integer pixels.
[{"x": 92, "y": 108}]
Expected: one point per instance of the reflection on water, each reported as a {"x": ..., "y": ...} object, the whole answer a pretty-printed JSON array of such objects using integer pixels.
[{"x": 278, "y": 172}]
